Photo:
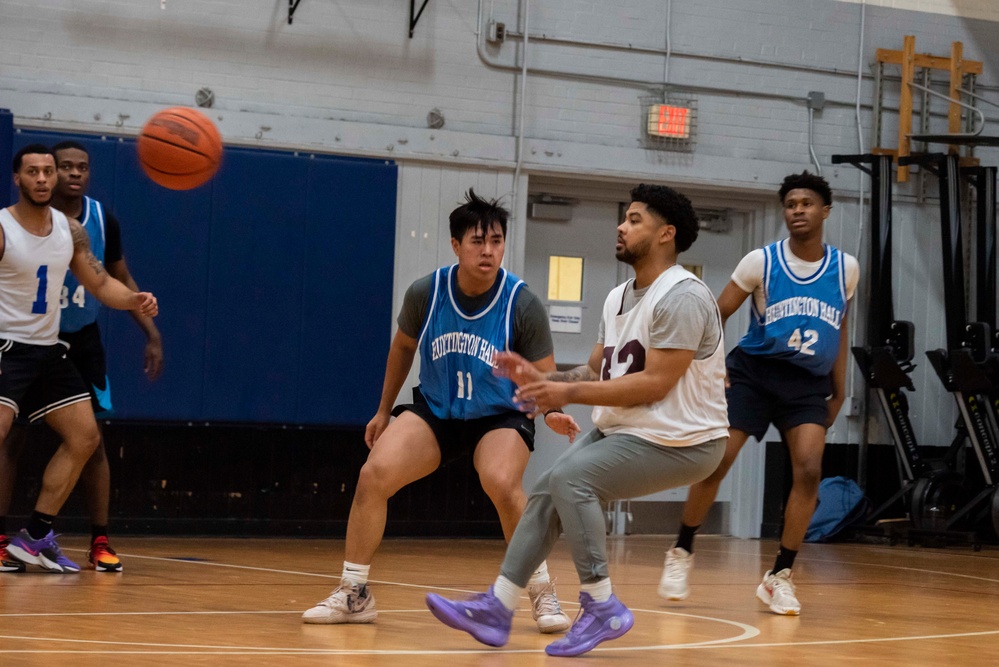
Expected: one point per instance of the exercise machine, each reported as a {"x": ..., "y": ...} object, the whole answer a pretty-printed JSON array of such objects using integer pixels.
[{"x": 886, "y": 364}]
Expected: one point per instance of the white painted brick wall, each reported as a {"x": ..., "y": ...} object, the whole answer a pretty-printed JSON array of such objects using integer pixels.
[
  {"x": 351, "y": 62},
  {"x": 985, "y": 10},
  {"x": 346, "y": 78}
]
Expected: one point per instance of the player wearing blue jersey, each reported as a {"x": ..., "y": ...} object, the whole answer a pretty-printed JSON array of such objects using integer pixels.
[
  {"x": 456, "y": 318},
  {"x": 79, "y": 331},
  {"x": 37, "y": 246},
  {"x": 789, "y": 370}
]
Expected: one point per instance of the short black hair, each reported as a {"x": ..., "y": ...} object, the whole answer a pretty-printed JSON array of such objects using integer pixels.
[
  {"x": 806, "y": 181},
  {"x": 674, "y": 208},
  {"x": 477, "y": 213},
  {"x": 68, "y": 144},
  {"x": 30, "y": 149}
]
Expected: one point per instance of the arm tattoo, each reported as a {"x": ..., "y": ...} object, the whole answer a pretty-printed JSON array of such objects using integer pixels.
[
  {"x": 95, "y": 263},
  {"x": 578, "y": 374},
  {"x": 81, "y": 243}
]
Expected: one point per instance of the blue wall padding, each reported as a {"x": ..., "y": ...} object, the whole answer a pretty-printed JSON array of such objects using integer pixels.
[{"x": 274, "y": 282}]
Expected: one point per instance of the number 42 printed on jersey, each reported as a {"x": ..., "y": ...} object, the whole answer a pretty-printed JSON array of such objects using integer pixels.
[{"x": 803, "y": 346}]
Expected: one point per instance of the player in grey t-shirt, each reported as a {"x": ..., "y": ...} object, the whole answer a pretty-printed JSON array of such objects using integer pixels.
[
  {"x": 689, "y": 301},
  {"x": 460, "y": 407}
]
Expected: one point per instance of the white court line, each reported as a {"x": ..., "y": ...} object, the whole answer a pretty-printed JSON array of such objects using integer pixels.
[
  {"x": 84, "y": 614},
  {"x": 462, "y": 590},
  {"x": 748, "y": 632},
  {"x": 716, "y": 644},
  {"x": 733, "y": 642}
]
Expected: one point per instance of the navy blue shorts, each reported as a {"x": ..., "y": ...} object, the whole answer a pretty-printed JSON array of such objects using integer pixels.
[
  {"x": 764, "y": 391},
  {"x": 459, "y": 437},
  {"x": 86, "y": 352}
]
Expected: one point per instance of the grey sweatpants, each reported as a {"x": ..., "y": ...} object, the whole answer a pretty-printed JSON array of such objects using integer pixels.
[{"x": 594, "y": 470}]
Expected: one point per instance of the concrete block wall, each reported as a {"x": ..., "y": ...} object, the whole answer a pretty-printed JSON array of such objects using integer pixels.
[{"x": 345, "y": 78}]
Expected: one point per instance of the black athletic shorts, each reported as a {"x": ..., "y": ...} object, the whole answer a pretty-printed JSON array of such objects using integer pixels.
[
  {"x": 458, "y": 437},
  {"x": 764, "y": 390},
  {"x": 37, "y": 379},
  {"x": 86, "y": 352}
]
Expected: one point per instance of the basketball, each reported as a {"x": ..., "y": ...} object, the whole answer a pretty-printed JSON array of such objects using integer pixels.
[{"x": 180, "y": 148}]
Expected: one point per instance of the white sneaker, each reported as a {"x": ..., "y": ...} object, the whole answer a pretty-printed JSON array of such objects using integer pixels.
[
  {"x": 348, "y": 603},
  {"x": 673, "y": 585},
  {"x": 777, "y": 591},
  {"x": 546, "y": 610}
]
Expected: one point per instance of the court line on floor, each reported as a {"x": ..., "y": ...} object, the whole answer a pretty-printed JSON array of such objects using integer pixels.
[
  {"x": 462, "y": 590},
  {"x": 232, "y": 650},
  {"x": 226, "y": 650}
]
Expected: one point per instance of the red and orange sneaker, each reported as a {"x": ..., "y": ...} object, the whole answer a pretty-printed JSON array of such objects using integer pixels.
[
  {"x": 102, "y": 557},
  {"x": 7, "y": 562}
]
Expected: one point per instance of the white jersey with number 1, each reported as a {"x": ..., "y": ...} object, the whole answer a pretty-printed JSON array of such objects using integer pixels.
[{"x": 32, "y": 269}]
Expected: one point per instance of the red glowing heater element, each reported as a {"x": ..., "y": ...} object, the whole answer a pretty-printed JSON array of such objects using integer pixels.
[{"x": 669, "y": 121}]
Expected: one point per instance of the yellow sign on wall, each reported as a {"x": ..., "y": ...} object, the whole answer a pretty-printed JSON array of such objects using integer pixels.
[{"x": 565, "y": 278}]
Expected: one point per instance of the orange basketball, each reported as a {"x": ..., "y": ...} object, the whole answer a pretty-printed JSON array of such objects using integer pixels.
[{"x": 179, "y": 148}]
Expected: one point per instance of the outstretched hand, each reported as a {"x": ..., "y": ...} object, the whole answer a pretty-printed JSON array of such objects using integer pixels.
[
  {"x": 563, "y": 424},
  {"x": 515, "y": 367},
  {"x": 540, "y": 397}
]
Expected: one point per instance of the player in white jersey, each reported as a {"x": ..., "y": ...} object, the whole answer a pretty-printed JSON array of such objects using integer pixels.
[
  {"x": 79, "y": 331},
  {"x": 657, "y": 377},
  {"x": 38, "y": 245},
  {"x": 789, "y": 369}
]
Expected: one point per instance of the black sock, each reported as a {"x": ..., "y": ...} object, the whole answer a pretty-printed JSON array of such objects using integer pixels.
[
  {"x": 685, "y": 540},
  {"x": 785, "y": 559},
  {"x": 97, "y": 531},
  {"x": 3, "y": 525},
  {"x": 39, "y": 525}
]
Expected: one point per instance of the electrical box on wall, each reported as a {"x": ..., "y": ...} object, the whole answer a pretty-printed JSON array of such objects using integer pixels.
[{"x": 555, "y": 212}]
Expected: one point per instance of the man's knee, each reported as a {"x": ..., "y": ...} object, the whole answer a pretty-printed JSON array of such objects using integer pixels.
[
  {"x": 808, "y": 475},
  {"x": 568, "y": 481},
  {"x": 379, "y": 479},
  {"x": 84, "y": 441},
  {"x": 99, "y": 457},
  {"x": 504, "y": 489}
]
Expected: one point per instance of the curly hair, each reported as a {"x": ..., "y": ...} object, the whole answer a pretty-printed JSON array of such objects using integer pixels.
[
  {"x": 674, "y": 208},
  {"x": 806, "y": 181}
]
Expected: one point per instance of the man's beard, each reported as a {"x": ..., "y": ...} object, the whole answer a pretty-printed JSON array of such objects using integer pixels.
[
  {"x": 26, "y": 196},
  {"x": 629, "y": 256}
]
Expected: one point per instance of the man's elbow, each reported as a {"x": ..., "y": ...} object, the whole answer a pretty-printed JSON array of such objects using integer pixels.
[{"x": 657, "y": 391}]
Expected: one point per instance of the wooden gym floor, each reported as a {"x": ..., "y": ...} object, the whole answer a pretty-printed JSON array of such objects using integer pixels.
[{"x": 227, "y": 601}]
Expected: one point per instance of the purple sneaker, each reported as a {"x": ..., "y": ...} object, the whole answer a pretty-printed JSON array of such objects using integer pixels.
[
  {"x": 597, "y": 622},
  {"x": 44, "y": 552},
  {"x": 483, "y": 616}
]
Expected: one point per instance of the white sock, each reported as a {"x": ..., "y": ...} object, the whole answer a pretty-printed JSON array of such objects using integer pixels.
[
  {"x": 507, "y": 592},
  {"x": 540, "y": 575},
  {"x": 600, "y": 591},
  {"x": 356, "y": 573}
]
